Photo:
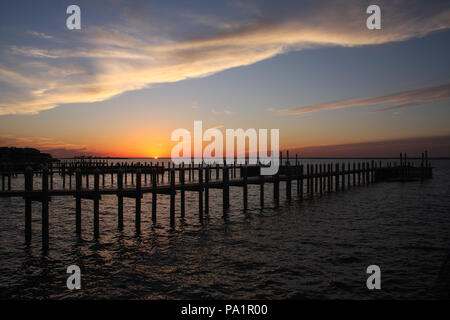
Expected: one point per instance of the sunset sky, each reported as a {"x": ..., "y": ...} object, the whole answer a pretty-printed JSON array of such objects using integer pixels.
[{"x": 137, "y": 70}]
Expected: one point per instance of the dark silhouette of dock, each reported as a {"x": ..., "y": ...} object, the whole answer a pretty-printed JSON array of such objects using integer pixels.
[{"x": 310, "y": 179}]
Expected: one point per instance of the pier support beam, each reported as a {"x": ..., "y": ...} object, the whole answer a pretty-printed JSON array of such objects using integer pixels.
[
  {"x": 288, "y": 180},
  {"x": 138, "y": 201},
  {"x": 207, "y": 178},
  {"x": 96, "y": 203},
  {"x": 301, "y": 182},
  {"x": 276, "y": 189},
  {"x": 200, "y": 192},
  {"x": 320, "y": 179},
  {"x": 45, "y": 201},
  {"x": 63, "y": 173},
  {"x": 172, "y": 196},
  {"x": 78, "y": 202},
  {"x": 359, "y": 173},
  {"x": 245, "y": 186},
  {"x": 226, "y": 189},
  {"x": 182, "y": 197},
  {"x": 261, "y": 190},
  {"x": 120, "y": 200},
  {"x": 28, "y": 206},
  {"x": 154, "y": 195},
  {"x": 308, "y": 176},
  {"x": 316, "y": 174},
  {"x": 336, "y": 176}
]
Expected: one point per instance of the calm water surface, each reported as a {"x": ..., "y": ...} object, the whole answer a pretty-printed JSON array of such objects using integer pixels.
[{"x": 315, "y": 248}]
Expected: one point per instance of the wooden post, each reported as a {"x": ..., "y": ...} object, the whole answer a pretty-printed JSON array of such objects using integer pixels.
[
  {"x": 207, "y": 177},
  {"x": 261, "y": 188},
  {"x": 336, "y": 176},
  {"x": 154, "y": 195},
  {"x": 96, "y": 203},
  {"x": 78, "y": 201},
  {"x": 51, "y": 178},
  {"x": 45, "y": 200},
  {"x": 372, "y": 172},
  {"x": 182, "y": 201},
  {"x": 328, "y": 177},
  {"x": 354, "y": 174},
  {"x": 288, "y": 180},
  {"x": 200, "y": 192},
  {"x": 364, "y": 173},
  {"x": 320, "y": 179},
  {"x": 276, "y": 188},
  {"x": 138, "y": 200},
  {"x": 172, "y": 197},
  {"x": 308, "y": 176},
  {"x": 359, "y": 173},
  {"x": 343, "y": 176},
  {"x": 217, "y": 171},
  {"x": 245, "y": 187},
  {"x": 145, "y": 175},
  {"x": 422, "y": 167},
  {"x": 301, "y": 181},
  {"x": 225, "y": 189},
  {"x": 9, "y": 181},
  {"x": 367, "y": 172},
  {"x": 28, "y": 205},
  {"x": 120, "y": 199},
  {"x": 169, "y": 172},
  {"x": 63, "y": 173},
  {"x": 316, "y": 171},
  {"x": 297, "y": 174},
  {"x": 348, "y": 174}
]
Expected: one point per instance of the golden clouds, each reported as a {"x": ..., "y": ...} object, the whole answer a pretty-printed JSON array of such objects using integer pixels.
[{"x": 100, "y": 63}]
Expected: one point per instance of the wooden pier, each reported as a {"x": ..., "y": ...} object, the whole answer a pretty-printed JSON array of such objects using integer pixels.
[{"x": 311, "y": 180}]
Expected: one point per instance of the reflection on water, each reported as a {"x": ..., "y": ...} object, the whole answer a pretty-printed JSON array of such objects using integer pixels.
[{"x": 315, "y": 248}]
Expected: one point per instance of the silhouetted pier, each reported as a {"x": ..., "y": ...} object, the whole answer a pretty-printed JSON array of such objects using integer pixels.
[{"x": 86, "y": 180}]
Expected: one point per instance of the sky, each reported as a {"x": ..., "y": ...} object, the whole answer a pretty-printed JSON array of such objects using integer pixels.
[{"x": 137, "y": 70}]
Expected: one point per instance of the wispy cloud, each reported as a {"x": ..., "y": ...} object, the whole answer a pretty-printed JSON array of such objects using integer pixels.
[
  {"x": 225, "y": 111},
  {"x": 110, "y": 60},
  {"x": 40, "y": 35},
  {"x": 391, "y": 101}
]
